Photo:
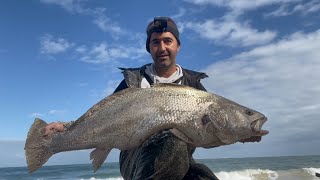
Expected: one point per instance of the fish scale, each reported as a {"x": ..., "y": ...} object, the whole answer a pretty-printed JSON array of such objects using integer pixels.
[{"x": 124, "y": 120}]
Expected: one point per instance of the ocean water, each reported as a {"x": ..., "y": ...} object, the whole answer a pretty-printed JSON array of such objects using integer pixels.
[{"x": 258, "y": 168}]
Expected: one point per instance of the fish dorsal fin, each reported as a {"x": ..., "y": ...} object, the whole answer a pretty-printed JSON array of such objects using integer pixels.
[{"x": 107, "y": 101}]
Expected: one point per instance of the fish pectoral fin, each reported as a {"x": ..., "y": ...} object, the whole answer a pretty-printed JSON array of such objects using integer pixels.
[
  {"x": 98, "y": 156},
  {"x": 181, "y": 136}
]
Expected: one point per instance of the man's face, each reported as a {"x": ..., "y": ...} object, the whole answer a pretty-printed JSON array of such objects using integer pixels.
[{"x": 164, "y": 48}]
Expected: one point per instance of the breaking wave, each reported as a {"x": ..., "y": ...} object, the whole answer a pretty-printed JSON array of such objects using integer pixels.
[{"x": 256, "y": 174}]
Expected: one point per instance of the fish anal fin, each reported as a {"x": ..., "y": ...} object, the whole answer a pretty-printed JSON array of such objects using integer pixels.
[{"x": 98, "y": 156}]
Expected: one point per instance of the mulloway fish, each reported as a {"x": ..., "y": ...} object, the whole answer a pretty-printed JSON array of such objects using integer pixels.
[{"x": 124, "y": 120}]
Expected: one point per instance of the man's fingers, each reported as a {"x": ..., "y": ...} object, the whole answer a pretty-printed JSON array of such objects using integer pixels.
[
  {"x": 45, "y": 131},
  {"x": 52, "y": 127},
  {"x": 251, "y": 139}
]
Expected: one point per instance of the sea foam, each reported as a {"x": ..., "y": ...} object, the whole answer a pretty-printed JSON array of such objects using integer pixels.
[
  {"x": 312, "y": 171},
  {"x": 248, "y": 174}
]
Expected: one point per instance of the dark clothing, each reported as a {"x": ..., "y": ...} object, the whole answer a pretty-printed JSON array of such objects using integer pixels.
[
  {"x": 134, "y": 76},
  {"x": 163, "y": 155}
]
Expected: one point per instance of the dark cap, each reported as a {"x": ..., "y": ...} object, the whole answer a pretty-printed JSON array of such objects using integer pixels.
[{"x": 162, "y": 24}]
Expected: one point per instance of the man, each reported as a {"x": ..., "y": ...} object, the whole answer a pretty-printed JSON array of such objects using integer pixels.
[{"x": 162, "y": 156}]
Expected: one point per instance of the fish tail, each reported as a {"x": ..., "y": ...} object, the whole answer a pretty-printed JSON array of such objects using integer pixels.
[{"x": 37, "y": 146}]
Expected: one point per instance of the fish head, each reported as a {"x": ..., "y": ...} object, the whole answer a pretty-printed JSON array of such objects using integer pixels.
[{"x": 231, "y": 122}]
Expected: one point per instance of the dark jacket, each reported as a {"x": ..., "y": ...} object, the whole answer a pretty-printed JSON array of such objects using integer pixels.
[
  {"x": 162, "y": 156},
  {"x": 134, "y": 76}
]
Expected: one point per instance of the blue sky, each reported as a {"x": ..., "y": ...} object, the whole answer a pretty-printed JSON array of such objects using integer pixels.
[{"x": 58, "y": 58}]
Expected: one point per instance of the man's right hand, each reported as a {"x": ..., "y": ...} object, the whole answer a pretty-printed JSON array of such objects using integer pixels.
[{"x": 52, "y": 128}]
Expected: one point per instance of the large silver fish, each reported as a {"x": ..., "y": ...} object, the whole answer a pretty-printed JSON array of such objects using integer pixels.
[{"x": 124, "y": 120}]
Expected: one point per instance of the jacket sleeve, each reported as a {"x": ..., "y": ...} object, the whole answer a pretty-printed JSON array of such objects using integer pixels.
[
  {"x": 200, "y": 86},
  {"x": 121, "y": 86}
]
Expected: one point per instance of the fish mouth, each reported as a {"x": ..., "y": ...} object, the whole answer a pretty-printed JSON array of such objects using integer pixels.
[{"x": 256, "y": 126}]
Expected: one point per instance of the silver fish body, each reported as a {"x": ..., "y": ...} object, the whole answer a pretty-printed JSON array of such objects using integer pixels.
[{"x": 126, "y": 119}]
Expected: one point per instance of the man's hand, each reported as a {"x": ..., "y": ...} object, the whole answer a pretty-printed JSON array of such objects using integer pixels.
[
  {"x": 52, "y": 128},
  {"x": 251, "y": 139}
]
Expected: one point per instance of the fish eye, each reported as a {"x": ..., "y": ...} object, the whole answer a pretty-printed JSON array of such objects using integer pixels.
[{"x": 249, "y": 112}]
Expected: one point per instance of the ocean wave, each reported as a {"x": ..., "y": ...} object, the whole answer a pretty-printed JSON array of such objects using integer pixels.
[
  {"x": 311, "y": 170},
  {"x": 253, "y": 174},
  {"x": 248, "y": 174},
  {"x": 113, "y": 178}
]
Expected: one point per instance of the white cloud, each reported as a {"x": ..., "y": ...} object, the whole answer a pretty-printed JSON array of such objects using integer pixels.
[
  {"x": 49, "y": 45},
  {"x": 302, "y": 7},
  {"x": 108, "y": 25},
  {"x": 241, "y": 5},
  {"x": 102, "y": 53},
  {"x": 313, "y": 6},
  {"x": 98, "y": 54},
  {"x": 181, "y": 12},
  {"x": 81, "y": 49},
  {"x": 72, "y": 6},
  {"x": 285, "y": 7},
  {"x": 56, "y": 112},
  {"x": 105, "y": 23},
  {"x": 49, "y": 113},
  {"x": 82, "y": 84},
  {"x": 36, "y": 114},
  {"x": 230, "y": 33},
  {"x": 280, "y": 80},
  {"x": 283, "y": 10}
]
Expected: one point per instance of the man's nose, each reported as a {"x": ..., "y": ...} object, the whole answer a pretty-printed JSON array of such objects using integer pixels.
[{"x": 162, "y": 46}]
